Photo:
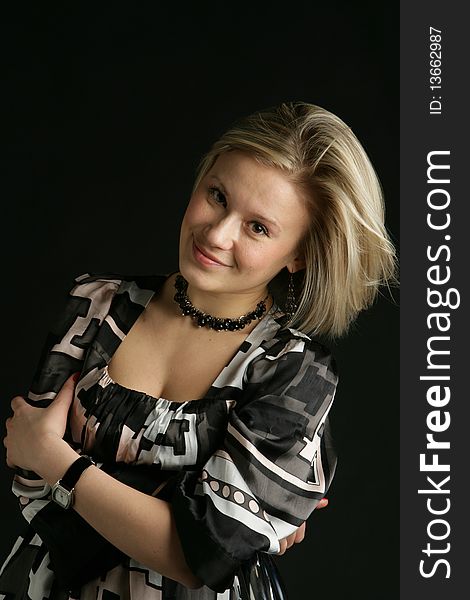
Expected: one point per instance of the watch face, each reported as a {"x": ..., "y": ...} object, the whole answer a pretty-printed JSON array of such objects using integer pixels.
[{"x": 62, "y": 496}]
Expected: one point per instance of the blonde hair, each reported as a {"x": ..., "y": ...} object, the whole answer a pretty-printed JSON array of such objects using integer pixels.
[{"x": 347, "y": 250}]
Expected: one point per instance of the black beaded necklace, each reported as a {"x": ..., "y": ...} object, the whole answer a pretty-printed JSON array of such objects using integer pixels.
[{"x": 204, "y": 320}]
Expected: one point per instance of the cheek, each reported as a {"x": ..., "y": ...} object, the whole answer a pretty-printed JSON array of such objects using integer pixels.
[
  {"x": 195, "y": 211},
  {"x": 260, "y": 262},
  {"x": 269, "y": 261}
]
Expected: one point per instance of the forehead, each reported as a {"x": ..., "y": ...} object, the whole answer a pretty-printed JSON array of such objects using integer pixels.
[{"x": 244, "y": 178}]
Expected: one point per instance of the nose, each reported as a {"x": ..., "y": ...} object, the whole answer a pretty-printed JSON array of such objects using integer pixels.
[{"x": 222, "y": 233}]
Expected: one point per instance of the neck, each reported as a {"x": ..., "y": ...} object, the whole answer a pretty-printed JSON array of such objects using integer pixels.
[
  {"x": 246, "y": 309},
  {"x": 227, "y": 305}
]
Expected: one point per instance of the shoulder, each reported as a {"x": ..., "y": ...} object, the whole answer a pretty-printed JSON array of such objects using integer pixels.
[
  {"x": 119, "y": 279},
  {"x": 94, "y": 295},
  {"x": 288, "y": 391},
  {"x": 107, "y": 284},
  {"x": 293, "y": 364},
  {"x": 291, "y": 346}
]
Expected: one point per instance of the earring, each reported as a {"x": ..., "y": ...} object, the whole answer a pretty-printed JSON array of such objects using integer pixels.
[{"x": 291, "y": 305}]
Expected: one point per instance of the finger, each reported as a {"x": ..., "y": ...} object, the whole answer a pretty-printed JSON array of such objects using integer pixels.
[
  {"x": 300, "y": 534},
  {"x": 16, "y": 402},
  {"x": 323, "y": 502},
  {"x": 67, "y": 390},
  {"x": 7, "y": 423},
  {"x": 282, "y": 547},
  {"x": 10, "y": 464},
  {"x": 7, "y": 460},
  {"x": 289, "y": 540}
]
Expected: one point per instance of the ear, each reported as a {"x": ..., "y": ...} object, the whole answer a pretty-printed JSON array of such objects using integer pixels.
[{"x": 296, "y": 265}]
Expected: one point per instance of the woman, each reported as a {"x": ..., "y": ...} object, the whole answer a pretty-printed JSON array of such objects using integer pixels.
[{"x": 201, "y": 396}]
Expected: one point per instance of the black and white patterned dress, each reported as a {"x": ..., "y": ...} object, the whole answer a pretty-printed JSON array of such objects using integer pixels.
[{"x": 249, "y": 461}]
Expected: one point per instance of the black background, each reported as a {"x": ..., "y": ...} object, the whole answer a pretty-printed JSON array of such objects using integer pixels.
[{"x": 125, "y": 99}]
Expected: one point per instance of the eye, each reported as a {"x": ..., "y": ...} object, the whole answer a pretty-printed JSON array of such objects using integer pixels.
[
  {"x": 259, "y": 228},
  {"x": 217, "y": 195}
]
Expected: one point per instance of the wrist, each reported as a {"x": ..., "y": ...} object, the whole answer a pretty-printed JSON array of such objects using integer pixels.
[
  {"x": 53, "y": 458},
  {"x": 63, "y": 491}
]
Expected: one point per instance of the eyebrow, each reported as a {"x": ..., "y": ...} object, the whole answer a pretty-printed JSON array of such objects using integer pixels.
[{"x": 258, "y": 216}]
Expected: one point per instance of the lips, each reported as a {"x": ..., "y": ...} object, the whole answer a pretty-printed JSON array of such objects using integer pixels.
[{"x": 202, "y": 255}]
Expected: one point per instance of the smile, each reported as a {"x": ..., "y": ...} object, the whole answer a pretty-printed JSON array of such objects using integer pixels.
[{"x": 204, "y": 259}]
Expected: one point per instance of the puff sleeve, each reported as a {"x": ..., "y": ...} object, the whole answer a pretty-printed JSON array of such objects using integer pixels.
[
  {"x": 63, "y": 353},
  {"x": 275, "y": 463}
]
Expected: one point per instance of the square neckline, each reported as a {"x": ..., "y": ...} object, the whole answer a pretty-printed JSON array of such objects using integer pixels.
[{"x": 269, "y": 315}]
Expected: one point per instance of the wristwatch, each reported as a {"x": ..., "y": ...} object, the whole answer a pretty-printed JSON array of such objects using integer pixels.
[{"x": 63, "y": 491}]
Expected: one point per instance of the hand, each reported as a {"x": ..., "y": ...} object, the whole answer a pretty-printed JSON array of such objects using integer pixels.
[
  {"x": 30, "y": 427},
  {"x": 298, "y": 536}
]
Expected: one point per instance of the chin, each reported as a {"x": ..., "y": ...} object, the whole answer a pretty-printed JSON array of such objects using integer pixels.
[
  {"x": 198, "y": 278},
  {"x": 205, "y": 281},
  {"x": 193, "y": 274}
]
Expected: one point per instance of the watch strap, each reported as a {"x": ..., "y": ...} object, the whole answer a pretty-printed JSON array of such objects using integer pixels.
[{"x": 73, "y": 473}]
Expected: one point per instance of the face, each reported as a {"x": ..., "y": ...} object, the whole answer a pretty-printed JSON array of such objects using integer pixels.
[{"x": 242, "y": 226}]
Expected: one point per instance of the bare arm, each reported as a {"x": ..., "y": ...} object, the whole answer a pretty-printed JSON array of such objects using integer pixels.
[{"x": 140, "y": 525}]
